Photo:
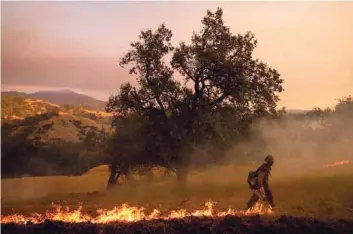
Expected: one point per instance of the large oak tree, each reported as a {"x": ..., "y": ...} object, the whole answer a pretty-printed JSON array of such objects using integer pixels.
[{"x": 223, "y": 88}]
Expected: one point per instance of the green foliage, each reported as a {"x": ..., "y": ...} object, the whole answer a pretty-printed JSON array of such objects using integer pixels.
[
  {"x": 318, "y": 113},
  {"x": 345, "y": 105},
  {"x": 95, "y": 139},
  {"x": 224, "y": 90},
  {"x": 65, "y": 158},
  {"x": 60, "y": 158},
  {"x": 22, "y": 155},
  {"x": 343, "y": 110},
  {"x": 223, "y": 70}
]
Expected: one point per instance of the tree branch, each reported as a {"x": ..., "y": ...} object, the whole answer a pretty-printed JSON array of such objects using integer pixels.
[
  {"x": 218, "y": 100},
  {"x": 187, "y": 73},
  {"x": 203, "y": 86},
  {"x": 148, "y": 66}
]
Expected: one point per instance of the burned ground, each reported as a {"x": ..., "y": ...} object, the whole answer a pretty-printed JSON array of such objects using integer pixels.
[{"x": 227, "y": 224}]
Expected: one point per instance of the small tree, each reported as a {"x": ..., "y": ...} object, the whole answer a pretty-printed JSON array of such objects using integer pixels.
[{"x": 345, "y": 105}]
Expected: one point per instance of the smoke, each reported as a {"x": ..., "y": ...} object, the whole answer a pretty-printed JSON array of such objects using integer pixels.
[
  {"x": 29, "y": 59},
  {"x": 299, "y": 143}
]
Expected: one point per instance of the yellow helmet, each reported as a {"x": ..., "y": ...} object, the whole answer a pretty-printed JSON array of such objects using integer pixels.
[{"x": 269, "y": 159}]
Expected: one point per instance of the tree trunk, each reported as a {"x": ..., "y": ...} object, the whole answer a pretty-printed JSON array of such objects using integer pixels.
[{"x": 114, "y": 176}]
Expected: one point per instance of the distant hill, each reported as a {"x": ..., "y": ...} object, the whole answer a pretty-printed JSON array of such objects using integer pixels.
[
  {"x": 53, "y": 127},
  {"x": 61, "y": 97},
  {"x": 14, "y": 93},
  {"x": 45, "y": 121}
]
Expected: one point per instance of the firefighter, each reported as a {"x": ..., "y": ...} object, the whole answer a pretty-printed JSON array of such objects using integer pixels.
[{"x": 260, "y": 186}]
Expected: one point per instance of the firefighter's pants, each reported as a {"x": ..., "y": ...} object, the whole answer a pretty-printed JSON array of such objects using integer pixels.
[{"x": 256, "y": 196}]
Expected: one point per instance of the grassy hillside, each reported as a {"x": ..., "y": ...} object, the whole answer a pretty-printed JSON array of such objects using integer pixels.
[
  {"x": 18, "y": 107},
  {"x": 67, "y": 123},
  {"x": 65, "y": 127},
  {"x": 61, "y": 97},
  {"x": 321, "y": 193},
  {"x": 41, "y": 138}
]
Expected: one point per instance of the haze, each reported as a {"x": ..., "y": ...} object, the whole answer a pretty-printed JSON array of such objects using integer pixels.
[{"x": 50, "y": 45}]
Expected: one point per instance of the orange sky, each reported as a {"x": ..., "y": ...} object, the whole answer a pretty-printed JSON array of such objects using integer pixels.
[{"x": 76, "y": 44}]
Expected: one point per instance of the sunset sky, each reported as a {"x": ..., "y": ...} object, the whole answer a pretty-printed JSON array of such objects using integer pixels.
[{"x": 50, "y": 45}]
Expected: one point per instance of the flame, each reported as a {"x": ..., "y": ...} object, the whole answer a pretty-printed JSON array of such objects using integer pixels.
[
  {"x": 338, "y": 163},
  {"x": 126, "y": 213}
]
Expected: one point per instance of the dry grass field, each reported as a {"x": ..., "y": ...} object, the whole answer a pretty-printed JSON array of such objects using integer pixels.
[{"x": 324, "y": 193}]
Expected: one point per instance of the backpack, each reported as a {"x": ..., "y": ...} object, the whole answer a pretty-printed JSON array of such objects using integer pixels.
[{"x": 252, "y": 178}]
